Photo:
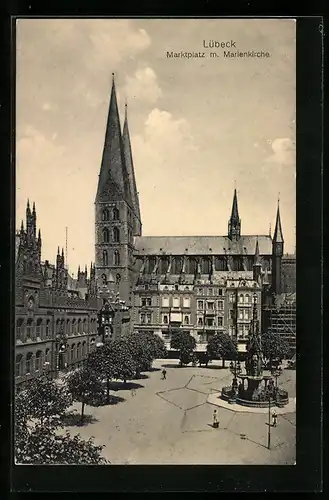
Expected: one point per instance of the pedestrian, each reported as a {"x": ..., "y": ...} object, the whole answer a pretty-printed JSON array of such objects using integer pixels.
[
  {"x": 164, "y": 374},
  {"x": 215, "y": 418},
  {"x": 133, "y": 392},
  {"x": 274, "y": 418}
]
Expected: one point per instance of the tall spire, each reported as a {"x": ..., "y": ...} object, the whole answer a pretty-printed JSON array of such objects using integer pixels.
[
  {"x": 278, "y": 236},
  {"x": 257, "y": 258},
  {"x": 113, "y": 184},
  {"x": 234, "y": 225},
  {"x": 131, "y": 172}
]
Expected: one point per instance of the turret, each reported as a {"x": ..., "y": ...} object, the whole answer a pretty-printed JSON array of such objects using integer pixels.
[{"x": 234, "y": 224}]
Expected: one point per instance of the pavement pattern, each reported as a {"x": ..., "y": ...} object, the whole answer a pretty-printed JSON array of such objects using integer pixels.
[{"x": 155, "y": 421}]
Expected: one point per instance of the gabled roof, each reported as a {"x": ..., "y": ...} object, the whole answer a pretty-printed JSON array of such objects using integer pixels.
[{"x": 202, "y": 245}]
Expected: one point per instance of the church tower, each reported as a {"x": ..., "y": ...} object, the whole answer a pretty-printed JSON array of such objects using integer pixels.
[
  {"x": 277, "y": 253},
  {"x": 115, "y": 209},
  {"x": 234, "y": 224}
]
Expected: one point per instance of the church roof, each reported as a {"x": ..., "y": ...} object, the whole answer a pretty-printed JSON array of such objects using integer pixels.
[{"x": 202, "y": 245}]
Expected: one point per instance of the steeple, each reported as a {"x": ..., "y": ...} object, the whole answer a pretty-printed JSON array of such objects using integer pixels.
[
  {"x": 278, "y": 236},
  {"x": 257, "y": 267},
  {"x": 234, "y": 224},
  {"x": 131, "y": 173},
  {"x": 113, "y": 183}
]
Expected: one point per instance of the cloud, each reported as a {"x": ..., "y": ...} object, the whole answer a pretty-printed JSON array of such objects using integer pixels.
[
  {"x": 144, "y": 85},
  {"x": 284, "y": 152}
]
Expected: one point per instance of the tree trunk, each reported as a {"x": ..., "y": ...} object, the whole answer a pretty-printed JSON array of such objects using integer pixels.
[
  {"x": 82, "y": 410},
  {"x": 124, "y": 381},
  {"x": 108, "y": 390},
  {"x": 223, "y": 362}
]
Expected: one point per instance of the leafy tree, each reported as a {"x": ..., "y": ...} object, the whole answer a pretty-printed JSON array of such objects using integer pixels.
[
  {"x": 100, "y": 361},
  {"x": 46, "y": 400},
  {"x": 157, "y": 345},
  {"x": 274, "y": 347},
  {"x": 37, "y": 440},
  {"x": 185, "y": 344},
  {"x": 84, "y": 385},
  {"x": 122, "y": 360},
  {"x": 145, "y": 347},
  {"x": 221, "y": 346}
]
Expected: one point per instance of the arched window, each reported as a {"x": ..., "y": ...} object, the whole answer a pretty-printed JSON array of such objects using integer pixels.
[
  {"x": 241, "y": 298},
  {"x": 39, "y": 328},
  {"x": 38, "y": 361},
  {"x": 105, "y": 258},
  {"x": 74, "y": 325},
  {"x": 79, "y": 325},
  {"x": 115, "y": 214},
  {"x": 19, "y": 365},
  {"x": 68, "y": 326},
  {"x": 29, "y": 328},
  {"x": 116, "y": 258},
  {"x": 19, "y": 328},
  {"x": 186, "y": 320},
  {"x": 116, "y": 235},
  {"x": 72, "y": 353},
  {"x": 105, "y": 214},
  {"x": 84, "y": 326},
  {"x": 47, "y": 327},
  {"x": 247, "y": 298},
  {"x": 79, "y": 351},
  {"x": 29, "y": 362},
  {"x": 84, "y": 349},
  {"x": 47, "y": 355},
  {"x": 106, "y": 235}
]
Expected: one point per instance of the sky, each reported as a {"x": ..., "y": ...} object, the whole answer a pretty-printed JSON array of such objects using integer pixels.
[{"x": 199, "y": 126}]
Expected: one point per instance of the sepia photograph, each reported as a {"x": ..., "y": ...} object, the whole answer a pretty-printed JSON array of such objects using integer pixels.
[{"x": 155, "y": 256}]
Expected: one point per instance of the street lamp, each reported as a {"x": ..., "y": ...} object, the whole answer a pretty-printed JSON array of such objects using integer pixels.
[{"x": 235, "y": 369}]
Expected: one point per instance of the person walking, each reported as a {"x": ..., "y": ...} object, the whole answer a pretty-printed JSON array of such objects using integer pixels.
[
  {"x": 215, "y": 420},
  {"x": 274, "y": 418},
  {"x": 164, "y": 374}
]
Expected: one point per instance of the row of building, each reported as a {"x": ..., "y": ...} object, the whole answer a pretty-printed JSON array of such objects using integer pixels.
[{"x": 199, "y": 284}]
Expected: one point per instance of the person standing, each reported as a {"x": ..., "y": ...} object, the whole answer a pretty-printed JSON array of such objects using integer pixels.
[
  {"x": 164, "y": 374},
  {"x": 274, "y": 418},
  {"x": 215, "y": 420}
]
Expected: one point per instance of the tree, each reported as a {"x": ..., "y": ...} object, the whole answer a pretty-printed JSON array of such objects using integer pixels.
[
  {"x": 37, "y": 440},
  {"x": 46, "y": 400},
  {"x": 121, "y": 359},
  {"x": 145, "y": 347},
  {"x": 185, "y": 344},
  {"x": 100, "y": 362},
  {"x": 274, "y": 347},
  {"x": 84, "y": 384},
  {"x": 221, "y": 346}
]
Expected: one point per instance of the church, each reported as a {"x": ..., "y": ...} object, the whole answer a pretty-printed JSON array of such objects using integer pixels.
[{"x": 201, "y": 284}]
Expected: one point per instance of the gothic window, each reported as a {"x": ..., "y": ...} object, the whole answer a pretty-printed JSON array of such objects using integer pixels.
[
  {"x": 84, "y": 348},
  {"x": 191, "y": 265},
  {"x": 116, "y": 258},
  {"x": 247, "y": 298},
  {"x": 72, "y": 352},
  {"x": 116, "y": 235},
  {"x": 29, "y": 328},
  {"x": 19, "y": 365},
  {"x": 106, "y": 235},
  {"x": 19, "y": 328},
  {"x": 241, "y": 298},
  {"x": 177, "y": 265},
  {"x": 39, "y": 328},
  {"x": 29, "y": 362},
  {"x": 205, "y": 266},
  {"x": 74, "y": 326},
  {"x": 79, "y": 326},
  {"x": 186, "y": 320},
  {"x": 84, "y": 326},
  {"x": 105, "y": 214},
  {"x": 38, "y": 361},
  {"x": 79, "y": 350},
  {"x": 47, "y": 356},
  {"x": 115, "y": 214},
  {"x": 105, "y": 258},
  {"x": 68, "y": 327}
]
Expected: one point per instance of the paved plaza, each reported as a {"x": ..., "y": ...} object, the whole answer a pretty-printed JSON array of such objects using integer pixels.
[{"x": 155, "y": 421}]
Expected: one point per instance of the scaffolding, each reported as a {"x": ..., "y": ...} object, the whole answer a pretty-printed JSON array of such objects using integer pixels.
[{"x": 281, "y": 319}]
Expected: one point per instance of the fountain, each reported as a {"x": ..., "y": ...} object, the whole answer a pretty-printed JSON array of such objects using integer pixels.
[{"x": 255, "y": 389}]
